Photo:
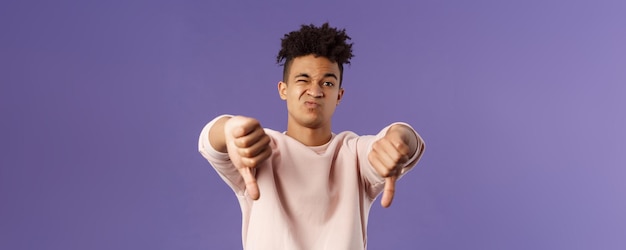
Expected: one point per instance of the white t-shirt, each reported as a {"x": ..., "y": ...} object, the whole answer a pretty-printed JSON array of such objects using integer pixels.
[{"x": 311, "y": 197}]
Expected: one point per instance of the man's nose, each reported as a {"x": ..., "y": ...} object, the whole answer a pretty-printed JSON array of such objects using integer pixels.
[{"x": 315, "y": 91}]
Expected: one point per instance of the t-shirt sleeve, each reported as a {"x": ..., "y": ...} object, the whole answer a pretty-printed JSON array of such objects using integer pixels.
[
  {"x": 374, "y": 183},
  {"x": 220, "y": 161}
]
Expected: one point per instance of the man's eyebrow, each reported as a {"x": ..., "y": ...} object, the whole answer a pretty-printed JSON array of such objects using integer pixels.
[
  {"x": 325, "y": 75},
  {"x": 331, "y": 75}
]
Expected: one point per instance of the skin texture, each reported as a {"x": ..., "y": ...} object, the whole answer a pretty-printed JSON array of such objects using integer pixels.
[{"x": 312, "y": 92}]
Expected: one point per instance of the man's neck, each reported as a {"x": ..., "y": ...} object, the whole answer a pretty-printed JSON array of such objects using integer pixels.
[{"x": 310, "y": 136}]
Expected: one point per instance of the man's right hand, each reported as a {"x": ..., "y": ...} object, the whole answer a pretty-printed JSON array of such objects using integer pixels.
[{"x": 248, "y": 146}]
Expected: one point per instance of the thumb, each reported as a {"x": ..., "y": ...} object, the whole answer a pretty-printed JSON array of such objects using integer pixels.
[
  {"x": 250, "y": 181},
  {"x": 388, "y": 192}
]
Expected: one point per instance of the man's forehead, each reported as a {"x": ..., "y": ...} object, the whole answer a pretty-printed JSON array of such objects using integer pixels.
[{"x": 313, "y": 66}]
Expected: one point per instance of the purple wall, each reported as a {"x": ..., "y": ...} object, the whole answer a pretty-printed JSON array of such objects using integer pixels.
[{"x": 522, "y": 106}]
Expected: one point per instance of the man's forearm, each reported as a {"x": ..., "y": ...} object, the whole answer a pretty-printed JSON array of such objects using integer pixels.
[{"x": 216, "y": 135}]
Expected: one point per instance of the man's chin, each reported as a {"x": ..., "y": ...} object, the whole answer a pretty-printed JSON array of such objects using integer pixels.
[
  {"x": 310, "y": 120},
  {"x": 312, "y": 123}
]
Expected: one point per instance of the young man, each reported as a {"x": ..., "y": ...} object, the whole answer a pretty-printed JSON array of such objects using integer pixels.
[{"x": 308, "y": 188}]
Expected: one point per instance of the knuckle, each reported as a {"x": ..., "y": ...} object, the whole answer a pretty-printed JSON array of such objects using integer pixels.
[
  {"x": 376, "y": 145},
  {"x": 264, "y": 157},
  {"x": 394, "y": 172},
  {"x": 266, "y": 139},
  {"x": 245, "y": 142},
  {"x": 239, "y": 142},
  {"x": 396, "y": 158},
  {"x": 263, "y": 149},
  {"x": 371, "y": 157},
  {"x": 399, "y": 159},
  {"x": 385, "y": 172},
  {"x": 249, "y": 162},
  {"x": 267, "y": 153},
  {"x": 245, "y": 152},
  {"x": 404, "y": 149},
  {"x": 251, "y": 121}
]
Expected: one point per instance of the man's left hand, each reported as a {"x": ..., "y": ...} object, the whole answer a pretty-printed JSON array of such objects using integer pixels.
[{"x": 389, "y": 154}]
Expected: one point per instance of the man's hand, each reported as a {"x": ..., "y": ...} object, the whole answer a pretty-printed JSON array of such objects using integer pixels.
[
  {"x": 247, "y": 146},
  {"x": 388, "y": 156}
]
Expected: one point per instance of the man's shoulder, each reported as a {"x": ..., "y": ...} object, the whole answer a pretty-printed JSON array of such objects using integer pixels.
[
  {"x": 346, "y": 135},
  {"x": 352, "y": 139}
]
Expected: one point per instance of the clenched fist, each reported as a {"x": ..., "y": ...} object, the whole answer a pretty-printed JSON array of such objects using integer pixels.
[
  {"x": 389, "y": 154},
  {"x": 247, "y": 146}
]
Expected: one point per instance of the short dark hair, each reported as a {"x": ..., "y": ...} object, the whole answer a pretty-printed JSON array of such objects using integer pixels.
[{"x": 324, "y": 41}]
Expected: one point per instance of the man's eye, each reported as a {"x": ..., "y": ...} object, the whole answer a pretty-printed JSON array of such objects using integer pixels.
[{"x": 329, "y": 84}]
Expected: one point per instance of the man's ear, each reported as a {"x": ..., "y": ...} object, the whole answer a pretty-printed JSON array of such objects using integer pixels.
[
  {"x": 339, "y": 96},
  {"x": 282, "y": 90}
]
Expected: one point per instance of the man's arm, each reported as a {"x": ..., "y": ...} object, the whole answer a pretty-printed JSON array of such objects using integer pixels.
[{"x": 216, "y": 135}]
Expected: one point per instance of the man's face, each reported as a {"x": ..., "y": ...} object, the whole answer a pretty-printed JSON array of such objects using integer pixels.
[{"x": 312, "y": 91}]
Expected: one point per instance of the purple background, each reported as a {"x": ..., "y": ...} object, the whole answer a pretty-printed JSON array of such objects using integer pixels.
[{"x": 521, "y": 105}]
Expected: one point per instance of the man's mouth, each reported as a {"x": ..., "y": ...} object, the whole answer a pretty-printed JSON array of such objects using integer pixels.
[{"x": 311, "y": 105}]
